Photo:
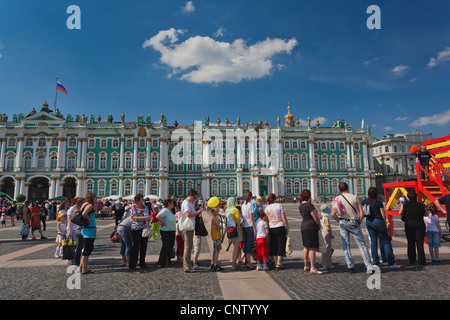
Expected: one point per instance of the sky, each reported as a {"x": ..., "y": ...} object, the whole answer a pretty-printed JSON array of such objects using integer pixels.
[{"x": 224, "y": 59}]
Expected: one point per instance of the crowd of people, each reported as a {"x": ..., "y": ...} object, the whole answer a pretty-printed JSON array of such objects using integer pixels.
[{"x": 256, "y": 228}]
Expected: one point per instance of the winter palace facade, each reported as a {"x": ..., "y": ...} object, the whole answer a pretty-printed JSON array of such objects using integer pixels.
[{"x": 45, "y": 155}]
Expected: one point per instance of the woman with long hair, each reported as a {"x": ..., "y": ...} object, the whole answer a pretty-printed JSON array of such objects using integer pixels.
[
  {"x": 376, "y": 227},
  {"x": 140, "y": 216},
  {"x": 168, "y": 221},
  {"x": 89, "y": 232}
]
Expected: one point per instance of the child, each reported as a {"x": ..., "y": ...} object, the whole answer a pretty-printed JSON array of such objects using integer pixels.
[
  {"x": 262, "y": 230},
  {"x": 3, "y": 219},
  {"x": 155, "y": 223},
  {"x": 62, "y": 230},
  {"x": 434, "y": 232},
  {"x": 327, "y": 235},
  {"x": 179, "y": 239},
  {"x": 216, "y": 237}
]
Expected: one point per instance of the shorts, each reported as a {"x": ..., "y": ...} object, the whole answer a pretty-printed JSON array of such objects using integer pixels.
[
  {"x": 434, "y": 239},
  {"x": 217, "y": 245},
  {"x": 88, "y": 247}
]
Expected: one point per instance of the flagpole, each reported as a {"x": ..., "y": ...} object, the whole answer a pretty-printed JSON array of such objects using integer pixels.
[{"x": 56, "y": 93}]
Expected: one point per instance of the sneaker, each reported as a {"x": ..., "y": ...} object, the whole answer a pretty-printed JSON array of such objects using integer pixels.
[
  {"x": 218, "y": 268},
  {"x": 194, "y": 266},
  {"x": 258, "y": 267},
  {"x": 265, "y": 267},
  {"x": 395, "y": 266}
]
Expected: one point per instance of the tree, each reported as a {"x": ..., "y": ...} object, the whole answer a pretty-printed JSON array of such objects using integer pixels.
[{"x": 21, "y": 198}]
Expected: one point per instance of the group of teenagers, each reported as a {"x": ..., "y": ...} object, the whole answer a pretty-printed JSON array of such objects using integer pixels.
[{"x": 255, "y": 229}]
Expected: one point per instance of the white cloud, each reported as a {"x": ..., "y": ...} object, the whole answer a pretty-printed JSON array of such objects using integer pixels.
[
  {"x": 321, "y": 120},
  {"x": 438, "y": 119},
  {"x": 220, "y": 32},
  {"x": 205, "y": 60},
  {"x": 399, "y": 71},
  {"x": 370, "y": 61},
  {"x": 189, "y": 7},
  {"x": 388, "y": 128},
  {"x": 401, "y": 118},
  {"x": 441, "y": 57}
]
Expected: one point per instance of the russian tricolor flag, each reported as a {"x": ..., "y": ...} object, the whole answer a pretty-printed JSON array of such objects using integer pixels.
[{"x": 60, "y": 87}]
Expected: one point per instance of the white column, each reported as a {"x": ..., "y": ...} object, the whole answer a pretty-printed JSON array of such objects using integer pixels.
[
  {"x": 34, "y": 157},
  {"x": 19, "y": 153},
  {"x": 239, "y": 184},
  {"x": 135, "y": 154},
  {"x": 47, "y": 155},
  {"x": 2, "y": 153},
  {"x": 148, "y": 154},
  {"x": 122, "y": 153},
  {"x": 120, "y": 191},
  {"x": 274, "y": 179},
  {"x": 255, "y": 184},
  {"x": 61, "y": 153},
  {"x": 83, "y": 154},
  {"x": 79, "y": 152}
]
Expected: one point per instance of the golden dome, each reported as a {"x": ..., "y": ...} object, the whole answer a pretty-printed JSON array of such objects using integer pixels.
[{"x": 289, "y": 117}]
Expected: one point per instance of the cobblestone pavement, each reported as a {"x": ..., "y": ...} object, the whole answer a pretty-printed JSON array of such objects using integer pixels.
[{"x": 29, "y": 271}]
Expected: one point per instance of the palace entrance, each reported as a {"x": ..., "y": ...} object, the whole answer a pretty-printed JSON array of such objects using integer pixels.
[{"x": 38, "y": 189}]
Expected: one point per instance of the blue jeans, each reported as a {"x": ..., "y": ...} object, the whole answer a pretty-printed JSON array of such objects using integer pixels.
[
  {"x": 377, "y": 230},
  {"x": 125, "y": 240},
  {"x": 353, "y": 228},
  {"x": 248, "y": 239}
]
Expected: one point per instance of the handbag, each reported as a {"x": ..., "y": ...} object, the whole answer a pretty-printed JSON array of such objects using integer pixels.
[
  {"x": 79, "y": 220},
  {"x": 146, "y": 232},
  {"x": 200, "y": 228},
  {"x": 288, "y": 245},
  {"x": 185, "y": 223},
  {"x": 232, "y": 232},
  {"x": 25, "y": 230},
  {"x": 68, "y": 248}
]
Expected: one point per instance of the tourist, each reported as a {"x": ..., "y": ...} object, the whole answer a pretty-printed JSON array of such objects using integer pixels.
[
  {"x": 199, "y": 232},
  {"x": 118, "y": 210},
  {"x": 349, "y": 224},
  {"x": 3, "y": 219},
  {"x": 25, "y": 230},
  {"x": 168, "y": 222},
  {"x": 216, "y": 237},
  {"x": 261, "y": 250},
  {"x": 141, "y": 219},
  {"x": 434, "y": 233},
  {"x": 12, "y": 213},
  {"x": 155, "y": 223},
  {"x": 75, "y": 230},
  {"x": 124, "y": 232},
  {"x": 234, "y": 221},
  {"x": 376, "y": 227},
  {"x": 278, "y": 229},
  {"x": 43, "y": 215},
  {"x": 179, "y": 239},
  {"x": 310, "y": 231},
  {"x": 248, "y": 227},
  {"x": 412, "y": 214},
  {"x": 327, "y": 235},
  {"x": 445, "y": 200},
  {"x": 89, "y": 232},
  {"x": 187, "y": 227},
  {"x": 61, "y": 228},
  {"x": 35, "y": 220}
]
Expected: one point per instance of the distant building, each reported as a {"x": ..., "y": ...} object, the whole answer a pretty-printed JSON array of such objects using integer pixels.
[
  {"x": 392, "y": 160},
  {"x": 45, "y": 155}
]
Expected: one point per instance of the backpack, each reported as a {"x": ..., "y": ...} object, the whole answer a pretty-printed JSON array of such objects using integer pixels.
[
  {"x": 336, "y": 203},
  {"x": 366, "y": 209}
]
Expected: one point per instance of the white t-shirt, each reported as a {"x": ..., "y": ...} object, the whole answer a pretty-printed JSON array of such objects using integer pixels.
[
  {"x": 261, "y": 226},
  {"x": 186, "y": 206},
  {"x": 431, "y": 221},
  {"x": 246, "y": 210},
  {"x": 70, "y": 214}
]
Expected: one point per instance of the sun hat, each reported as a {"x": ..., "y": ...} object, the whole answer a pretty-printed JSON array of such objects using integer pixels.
[{"x": 326, "y": 210}]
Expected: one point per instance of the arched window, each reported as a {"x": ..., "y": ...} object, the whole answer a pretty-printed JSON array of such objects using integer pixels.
[
  {"x": 223, "y": 188},
  {"x": 41, "y": 162},
  {"x": 288, "y": 188},
  {"x": 42, "y": 142}
]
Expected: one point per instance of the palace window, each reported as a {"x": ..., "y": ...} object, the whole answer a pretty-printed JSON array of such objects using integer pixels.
[
  {"x": 113, "y": 187},
  {"x": 115, "y": 143},
  {"x": 141, "y": 162},
  {"x": 12, "y": 142},
  {"x": 141, "y": 143},
  {"x": 295, "y": 144},
  {"x": 154, "y": 143},
  {"x": 115, "y": 162},
  {"x": 303, "y": 144},
  {"x": 90, "y": 162},
  {"x": 215, "y": 188},
  {"x": 305, "y": 184},
  {"x": 223, "y": 188},
  {"x": 128, "y": 162},
  {"x": 90, "y": 186},
  {"x": 245, "y": 187},
  {"x": 141, "y": 188},
  {"x": 154, "y": 187},
  {"x": 326, "y": 186},
  {"x": 129, "y": 143},
  {"x": 10, "y": 162},
  {"x": 343, "y": 162},
  {"x": 232, "y": 188},
  {"x": 41, "y": 162},
  {"x": 102, "y": 165},
  {"x": 53, "y": 162},
  {"x": 91, "y": 143},
  {"x": 54, "y": 142},
  {"x": 42, "y": 142},
  {"x": 127, "y": 189},
  {"x": 297, "y": 187},
  {"x": 71, "y": 163},
  {"x": 295, "y": 162},
  {"x": 180, "y": 189},
  {"x": 288, "y": 187},
  {"x": 101, "y": 189},
  {"x": 155, "y": 161},
  {"x": 72, "y": 142},
  {"x": 28, "y": 142},
  {"x": 333, "y": 161},
  {"x": 27, "y": 162},
  {"x": 287, "y": 162},
  {"x": 103, "y": 143}
]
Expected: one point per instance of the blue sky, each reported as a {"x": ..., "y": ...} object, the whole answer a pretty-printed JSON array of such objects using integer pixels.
[{"x": 230, "y": 58}]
